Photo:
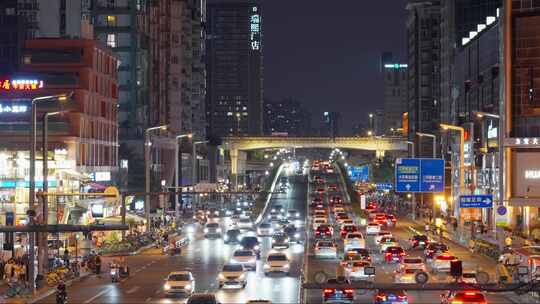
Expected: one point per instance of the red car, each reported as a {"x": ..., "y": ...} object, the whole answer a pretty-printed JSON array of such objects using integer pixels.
[
  {"x": 323, "y": 232},
  {"x": 332, "y": 187},
  {"x": 380, "y": 219},
  {"x": 346, "y": 229},
  {"x": 394, "y": 254},
  {"x": 320, "y": 190},
  {"x": 335, "y": 200},
  {"x": 371, "y": 206},
  {"x": 338, "y": 295}
]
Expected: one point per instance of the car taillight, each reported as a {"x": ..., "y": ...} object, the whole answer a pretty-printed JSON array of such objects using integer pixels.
[
  {"x": 402, "y": 297},
  {"x": 381, "y": 298},
  {"x": 402, "y": 253},
  {"x": 349, "y": 290},
  {"x": 327, "y": 232},
  {"x": 328, "y": 290},
  {"x": 388, "y": 254}
]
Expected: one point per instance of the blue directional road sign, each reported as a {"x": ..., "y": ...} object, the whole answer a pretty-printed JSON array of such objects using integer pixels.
[
  {"x": 419, "y": 175},
  {"x": 358, "y": 174},
  {"x": 476, "y": 201},
  {"x": 384, "y": 186},
  {"x": 407, "y": 175}
]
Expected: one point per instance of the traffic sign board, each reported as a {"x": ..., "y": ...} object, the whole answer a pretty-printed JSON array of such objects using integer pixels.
[
  {"x": 419, "y": 175},
  {"x": 476, "y": 201}
]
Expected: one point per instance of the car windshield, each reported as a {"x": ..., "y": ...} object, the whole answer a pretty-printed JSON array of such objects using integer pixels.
[
  {"x": 233, "y": 231},
  {"x": 326, "y": 244},
  {"x": 388, "y": 240},
  {"x": 394, "y": 250},
  {"x": 243, "y": 253},
  {"x": 360, "y": 264},
  {"x": 412, "y": 261},
  {"x": 265, "y": 225},
  {"x": 249, "y": 241},
  {"x": 354, "y": 236},
  {"x": 232, "y": 267},
  {"x": 179, "y": 277},
  {"x": 469, "y": 275},
  {"x": 245, "y": 220},
  {"x": 410, "y": 271},
  {"x": 212, "y": 225},
  {"x": 420, "y": 237},
  {"x": 277, "y": 257}
]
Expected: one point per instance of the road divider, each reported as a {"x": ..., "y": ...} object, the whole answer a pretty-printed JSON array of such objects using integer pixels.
[{"x": 260, "y": 218}]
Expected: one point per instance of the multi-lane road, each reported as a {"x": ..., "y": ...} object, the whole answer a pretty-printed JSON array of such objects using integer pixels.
[{"x": 205, "y": 257}]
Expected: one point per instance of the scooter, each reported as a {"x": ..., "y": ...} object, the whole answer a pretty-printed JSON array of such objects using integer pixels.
[
  {"x": 61, "y": 297},
  {"x": 115, "y": 274}
]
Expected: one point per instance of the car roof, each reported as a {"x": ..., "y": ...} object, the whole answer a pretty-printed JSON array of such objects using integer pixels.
[
  {"x": 179, "y": 272},
  {"x": 276, "y": 253}
]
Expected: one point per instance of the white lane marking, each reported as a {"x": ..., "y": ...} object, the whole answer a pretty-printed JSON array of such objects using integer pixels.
[
  {"x": 133, "y": 289},
  {"x": 148, "y": 299},
  {"x": 97, "y": 296}
]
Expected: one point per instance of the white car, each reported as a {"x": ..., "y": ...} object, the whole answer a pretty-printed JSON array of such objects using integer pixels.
[
  {"x": 325, "y": 249},
  {"x": 469, "y": 277},
  {"x": 293, "y": 214},
  {"x": 382, "y": 234},
  {"x": 373, "y": 229},
  {"x": 319, "y": 213},
  {"x": 212, "y": 229},
  {"x": 413, "y": 263},
  {"x": 341, "y": 219},
  {"x": 338, "y": 210},
  {"x": 179, "y": 282},
  {"x": 246, "y": 258},
  {"x": 353, "y": 240},
  {"x": 356, "y": 271},
  {"x": 245, "y": 223},
  {"x": 348, "y": 221},
  {"x": 442, "y": 263},
  {"x": 232, "y": 275},
  {"x": 319, "y": 221},
  {"x": 406, "y": 275},
  {"x": 277, "y": 262},
  {"x": 265, "y": 229},
  {"x": 388, "y": 241}
]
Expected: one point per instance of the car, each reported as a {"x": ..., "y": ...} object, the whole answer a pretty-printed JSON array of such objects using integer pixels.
[
  {"x": 413, "y": 263},
  {"x": 373, "y": 229},
  {"x": 232, "y": 275},
  {"x": 441, "y": 263},
  {"x": 324, "y": 232},
  {"x": 212, "y": 229},
  {"x": 274, "y": 216},
  {"x": 360, "y": 271},
  {"x": 232, "y": 236},
  {"x": 419, "y": 241},
  {"x": 283, "y": 221},
  {"x": 469, "y": 277},
  {"x": 332, "y": 187},
  {"x": 394, "y": 254},
  {"x": 317, "y": 200},
  {"x": 325, "y": 249},
  {"x": 380, "y": 218},
  {"x": 244, "y": 257},
  {"x": 212, "y": 212},
  {"x": 387, "y": 241},
  {"x": 280, "y": 240},
  {"x": 351, "y": 256},
  {"x": 320, "y": 190},
  {"x": 318, "y": 180},
  {"x": 294, "y": 235},
  {"x": 202, "y": 298},
  {"x": 335, "y": 200},
  {"x": 392, "y": 219},
  {"x": 341, "y": 217},
  {"x": 244, "y": 204},
  {"x": 391, "y": 297},
  {"x": 347, "y": 221},
  {"x": 200, "y": 216},
  {"x": 251, "y": 242},
  {"x": 265, "y": 229},
  {"x": 371, "y": 206},
  {"x": 259, "y": 302},
  {"x": 435, "y": 248},
  {"x": 463, "y": 297},
  {"x": 319, "y": 213},
  {"x": 277, "y": 208},
  {"x": 354, "y": 240},
  {"x": 346, "y": 229},
  {"x": 363, "y": 252},
  {"x": 293, "y": 214},
  {"x": 338, "y": 295},
  {"x": 329, "y": 170},
  {"x": 179, "y": 282},
  {"x": 406, "y": 275},
  {"x": 277, "y": 262},
  {"x": 319, "y": 221},
  {"x": 245, "y": 223},
  {"x": 382, "y": 234},
  {"x": 338, "y": 209}
]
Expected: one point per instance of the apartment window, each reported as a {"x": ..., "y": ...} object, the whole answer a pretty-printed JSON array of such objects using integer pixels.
[
  {"x": 111, "y": 40},
  {"x": 111, "y": 20}
]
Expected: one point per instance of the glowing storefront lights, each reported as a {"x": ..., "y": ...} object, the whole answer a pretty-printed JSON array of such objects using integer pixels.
[{"x": 21, "y": 84}]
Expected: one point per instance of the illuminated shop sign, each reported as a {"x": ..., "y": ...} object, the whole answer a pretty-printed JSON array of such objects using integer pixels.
[
  {"x": 532, "y": 142},
  {"x": 13, "y": 108},
  {"x": 255, "y": 29},
  {"x": 21, "y": 84},
  {"x": 25, "y": 184},
  {"x": 395, "y": 66}
]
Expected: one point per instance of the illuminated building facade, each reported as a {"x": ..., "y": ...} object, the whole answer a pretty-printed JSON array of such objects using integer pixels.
[
  {"x": 234, "y": 102},
  {"x": 395, "y": 93},
  {"x": 83, "y": 140}
]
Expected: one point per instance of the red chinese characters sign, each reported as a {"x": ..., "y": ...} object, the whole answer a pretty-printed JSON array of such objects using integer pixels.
[{"x": 20, "y": 84}]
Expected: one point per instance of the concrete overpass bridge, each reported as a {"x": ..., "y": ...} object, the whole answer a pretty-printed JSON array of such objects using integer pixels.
[{"x": 236, "y": 145}]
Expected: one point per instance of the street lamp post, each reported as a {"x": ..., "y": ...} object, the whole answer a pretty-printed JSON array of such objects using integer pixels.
[
  {"x": 194, "y": 175},
  {"x": 461, "y": 165},
  {"x": 413, "y": 204},
  {"x": 147, "y": 161},
  {"x": 177, "y": 175},
  {"x": 32, "y": 177},
  {"x": 434, "y": 153}
]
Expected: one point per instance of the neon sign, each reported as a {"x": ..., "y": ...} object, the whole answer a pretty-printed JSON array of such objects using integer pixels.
[
  {"x": 21, "y": 84},
  {"x": 255, "y": 29},
  {"x": 13, "y": 108}
]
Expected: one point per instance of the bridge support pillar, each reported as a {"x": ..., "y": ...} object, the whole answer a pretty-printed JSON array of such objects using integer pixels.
[
  {"x": 234, "y": 168},
  {"x": 379, "y": 154}
]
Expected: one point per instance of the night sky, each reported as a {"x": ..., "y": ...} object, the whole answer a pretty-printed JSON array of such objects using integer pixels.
[{"x": 326, "y": 53}]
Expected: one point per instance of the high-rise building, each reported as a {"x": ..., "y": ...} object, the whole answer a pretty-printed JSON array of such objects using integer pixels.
[
  {"x": 286, "y": 117},
  {"x": 395, "y": 93},
  {"x": 330, "y": 124},
  {"x": 12, "y": 31},
  {"x": 234, "y": 100},
  {"x": 423, "y": 92}
]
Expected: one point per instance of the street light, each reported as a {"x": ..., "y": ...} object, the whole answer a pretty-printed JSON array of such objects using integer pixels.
[
  {"x": 177, "y": 173},
  {"x": 147, "y": 161},
  {"x": 461, "y": 163},
  {"x": 194, "y": 174},
  {"x": 411, "y": 195},
  {"x": 485, "y": 114},
  {"x": 420, "y": 134},
  {"x": 32, "y": 179}
]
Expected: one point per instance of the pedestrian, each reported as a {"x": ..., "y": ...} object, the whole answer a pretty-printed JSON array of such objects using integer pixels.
[
  {"x": 455, "y": 224},
  {"x": 98, "y": 264},
  {"x": 66, "y": 257},
  {"x": 472, "y": 244}
]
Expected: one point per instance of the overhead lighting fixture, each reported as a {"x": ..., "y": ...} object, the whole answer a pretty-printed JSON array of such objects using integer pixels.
[
  {"x": 472, "y": 34},
  {"x": 481, "y": 27},
  {"x": 465, "y": 40},
  {"x": 490, "y": 20}
]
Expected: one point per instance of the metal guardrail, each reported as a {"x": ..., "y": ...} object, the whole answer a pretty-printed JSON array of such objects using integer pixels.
[{"x": 490, "y": 287}]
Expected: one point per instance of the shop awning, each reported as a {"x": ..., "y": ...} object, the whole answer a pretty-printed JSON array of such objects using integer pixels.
[
  {"x": 118, "y": 219},
  {"x": 76, "y": 175},
  {"x": 524, "y": 202}
]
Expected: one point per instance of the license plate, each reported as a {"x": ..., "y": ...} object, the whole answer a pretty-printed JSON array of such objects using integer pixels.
[
  {"x": 422, "y": 243},
  {"x": 396, "y": 259}
]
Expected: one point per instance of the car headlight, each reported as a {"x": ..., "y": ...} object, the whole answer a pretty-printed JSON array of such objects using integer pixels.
[
  {"x": 166, "y": 286},
  {"x": 242, "y": 276},
  {"x": 273, "y": 210},
  {"x": 273, "y": 241},
  {"x": 271, "y": 230},
  {"x": 286, "y": 266},
  {"x": 266, "y": 266},
  {"x": 297, "y": 213},
  {"x": 297, "y": 235},
  {"x": 205, "y": 230},
  {"x": 221, "y": 276},
  {"x": 287, "y": 240},
  {"x": 188, "y": 287},
  {"x": 239, "y": 238},
  {"x": 218, "y": 230},
  {"x": 256, "y": 247},
  {"x": 190, "y": 229},
  {"x": 226, "y": 237}
]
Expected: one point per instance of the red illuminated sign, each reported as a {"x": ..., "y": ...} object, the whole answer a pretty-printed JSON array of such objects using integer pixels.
[{"x": 20, "y": 84}]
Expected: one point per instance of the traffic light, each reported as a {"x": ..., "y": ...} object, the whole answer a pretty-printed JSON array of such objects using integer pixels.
[{"x": 456, "y": 268}]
